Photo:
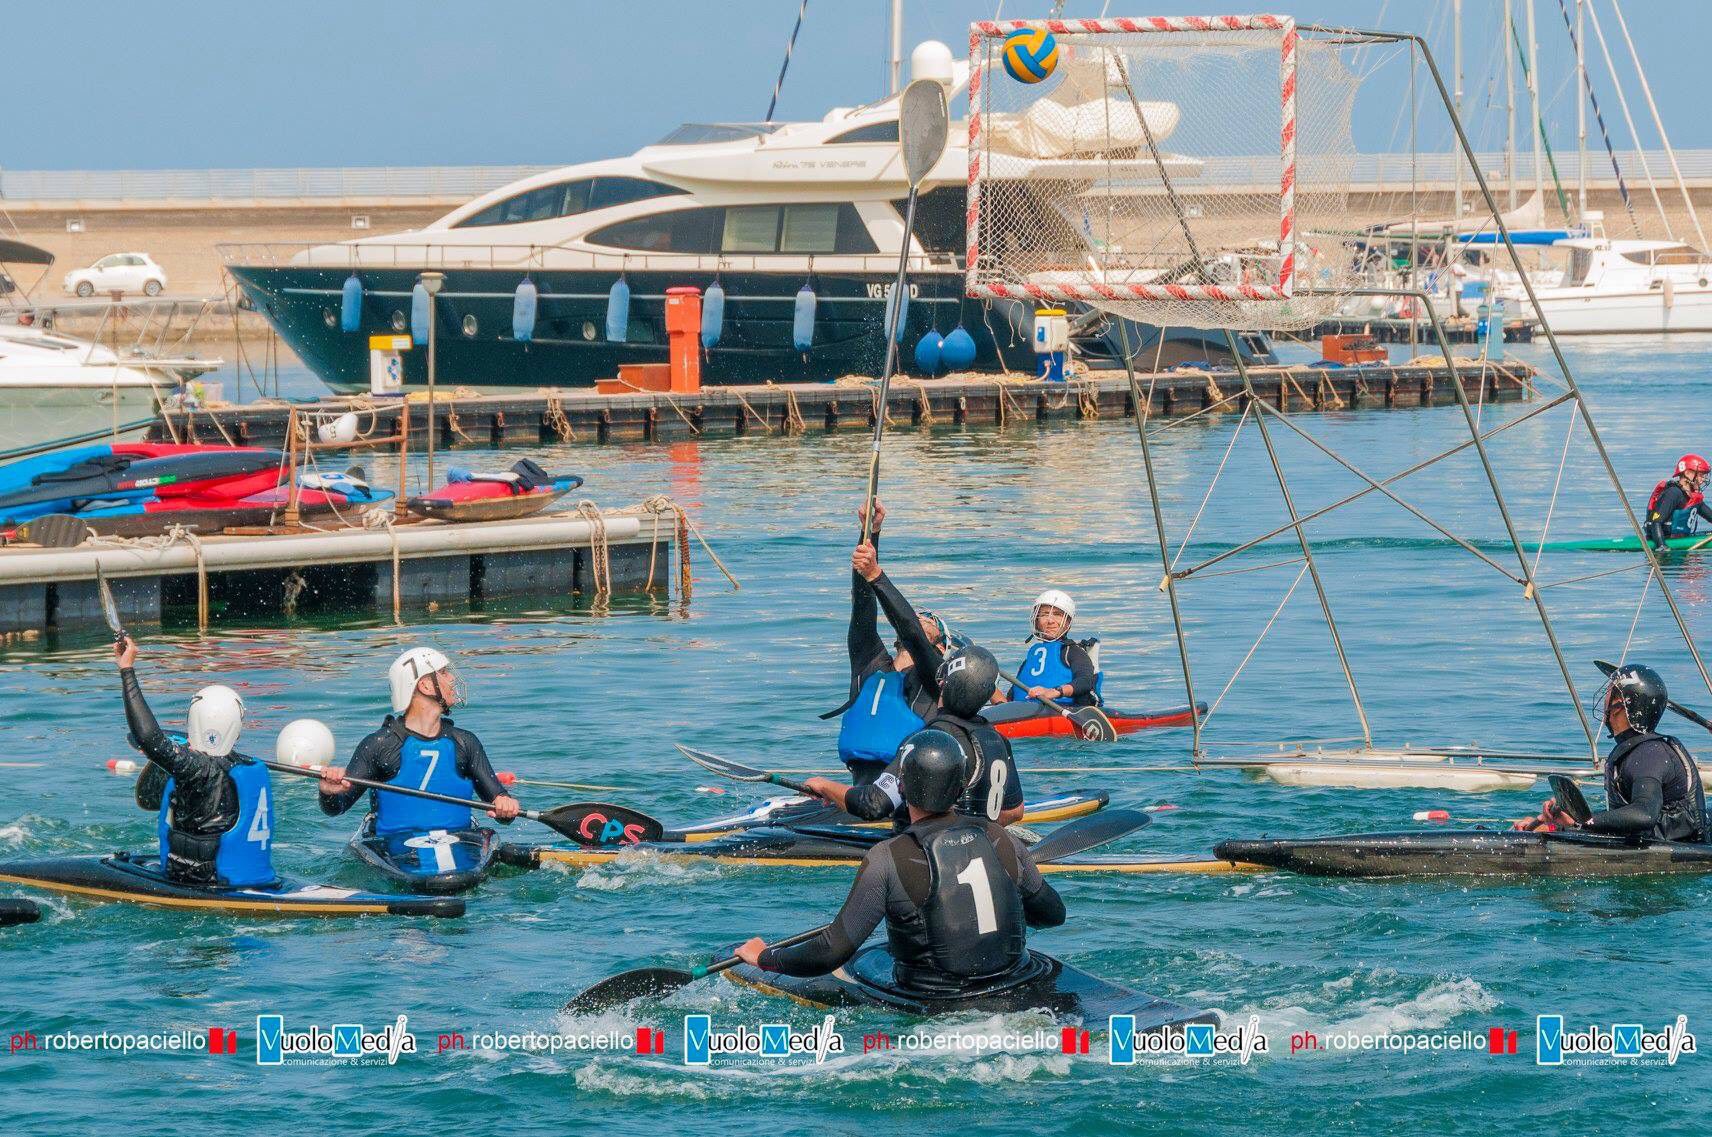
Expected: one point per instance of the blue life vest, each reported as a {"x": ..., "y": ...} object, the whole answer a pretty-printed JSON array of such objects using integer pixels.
[
  {"x": 878, "y": 720},
  {"x": 245, "y": 856},
  {"x": 425, "y": 764},
  {"x": 1043, "y": 666}
]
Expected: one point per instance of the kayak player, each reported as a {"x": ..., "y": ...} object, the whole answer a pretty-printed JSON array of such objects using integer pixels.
[
  {"x": 891, "y": 692},
  {"x": 1652, "y": 785},
  {"x": 992, "y": 789},
  {"x": 1677, "y": 501},
  {"x": 418, "y": 746},
  {"x": 957, "y": 893},
  {"x": 1056, "y": 667},
  {"x": 215, "y": 806}
]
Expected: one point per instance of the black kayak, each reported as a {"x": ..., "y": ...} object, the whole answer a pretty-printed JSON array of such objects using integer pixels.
[
  {"x": 139, "y": 880},
  {"x": 18, "y": 912},
  {"x": 1048, "y": 984},
  {"x": 438, "y": 861},
  {"x": 1469, "y": 852}
]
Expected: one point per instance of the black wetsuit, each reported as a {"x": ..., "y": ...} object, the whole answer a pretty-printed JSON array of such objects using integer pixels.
[
  {"x": 204, "y": 798},
  {"x": 1672, "y": 498},
  {"x": 869, "y": 654},
  {"x": 378, "y": 757},
  {"x": 1652, "y": 790},
  {"x": 933, "y": 918},
  {"x": 995, "y": 787}
]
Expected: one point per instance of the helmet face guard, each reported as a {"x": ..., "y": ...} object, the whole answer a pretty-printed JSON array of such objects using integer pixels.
[{"x": 1641, "y": 693}]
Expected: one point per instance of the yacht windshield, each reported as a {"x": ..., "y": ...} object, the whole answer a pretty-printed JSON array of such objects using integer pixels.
[{"x": 692, "y": 133}]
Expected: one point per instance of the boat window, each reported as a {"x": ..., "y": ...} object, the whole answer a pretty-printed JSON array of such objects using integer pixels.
[
  {"x": 751, "y": 229},
  {"x": 1580, "y": 261},
  {"x": 809, "y": 229},
  {"x": 609, "y": 192},
  {"x": 691, "y": 133},
  {"x": 1671, "y": 255},
  {"x": 678, "y": 231},
  {"x": 566, "y": 199},
  {"x": 873, "y": 132},
  {"x": 939, "y": 219}
]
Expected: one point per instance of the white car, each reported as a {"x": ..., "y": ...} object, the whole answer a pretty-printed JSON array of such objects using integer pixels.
[{"x": 119, "y": 272}]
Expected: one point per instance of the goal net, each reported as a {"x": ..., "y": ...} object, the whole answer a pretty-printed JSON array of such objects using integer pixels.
[{"x": 1164, "y": 169}]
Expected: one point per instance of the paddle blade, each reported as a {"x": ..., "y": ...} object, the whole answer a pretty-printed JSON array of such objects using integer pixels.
[
  {"x": 1087, "y": 833},
  {"x": 109, "y": 608},
  {"x": 1093, "y": 725},
  {"x": 643, "y": 983},
  {"x": 599, "y": 825},
  {"x": 1569, "y": 797},
  {"x": 722, "y": 766},
  {"x": 924, "y": 123}
]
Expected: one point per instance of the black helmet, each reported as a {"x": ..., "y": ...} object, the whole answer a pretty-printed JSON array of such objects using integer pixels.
[
  {"x": 1642, "y": 693},
  {"x": 935, "y": 770},
  {"x": 967, "y": 680}
]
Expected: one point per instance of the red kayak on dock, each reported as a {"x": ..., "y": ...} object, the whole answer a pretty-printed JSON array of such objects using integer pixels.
[
  {"x": 1031, "y": 720},
  {"x": 518, "y": 492}
]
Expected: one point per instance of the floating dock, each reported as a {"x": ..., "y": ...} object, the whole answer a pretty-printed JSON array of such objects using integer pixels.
[
  {"x": 396, "y": 568},
  {"x": 581, "y": 415},
  {"x": 1402, "y": 330}
]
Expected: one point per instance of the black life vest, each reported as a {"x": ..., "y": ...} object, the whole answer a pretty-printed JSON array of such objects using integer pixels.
[
  {"x": 993, "y": 768},
  {"x": 1682, "y": 818},
  {"x": 971, "y": 928}
]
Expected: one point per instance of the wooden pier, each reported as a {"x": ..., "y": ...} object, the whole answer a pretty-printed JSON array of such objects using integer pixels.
[
  {"x": 398, "y": 568},
  {"x": 553, "y": 415}
]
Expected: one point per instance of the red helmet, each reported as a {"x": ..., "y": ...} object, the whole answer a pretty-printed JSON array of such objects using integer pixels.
[{"x": 1693, "y": 464}]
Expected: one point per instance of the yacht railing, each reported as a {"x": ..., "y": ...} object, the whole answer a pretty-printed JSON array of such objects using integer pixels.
[{"x": 546, "y": 258}]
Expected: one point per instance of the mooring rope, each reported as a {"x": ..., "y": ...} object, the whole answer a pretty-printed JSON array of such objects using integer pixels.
[
  {"x": 600, "y": 552},
  {"x": 660, "y": 504}
]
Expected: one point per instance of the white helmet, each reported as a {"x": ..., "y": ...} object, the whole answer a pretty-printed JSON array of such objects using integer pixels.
[
  {"x": 215, "y": 720},
  {"x": 1053, "y": 598},
  {"x": 408, "y": 669},
  {"x": 304, "y": 743}
]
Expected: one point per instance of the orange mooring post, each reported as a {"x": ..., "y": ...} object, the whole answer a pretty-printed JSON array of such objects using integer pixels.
[{"x": 683, "y": 332}]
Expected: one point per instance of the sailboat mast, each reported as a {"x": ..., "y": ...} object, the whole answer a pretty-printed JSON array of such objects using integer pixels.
[
  {"x": 1509, "y": 106},
  {"x": 897, "y": 61},
  {"x": 1658, "y": 123},
  {"x": 1535, "y": 124},
  {"x": 1456, "y": 51},
  {"x": 1581, "y": 109}
]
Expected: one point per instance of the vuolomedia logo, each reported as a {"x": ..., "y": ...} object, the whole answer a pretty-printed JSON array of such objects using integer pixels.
[
  {"x": 770, "y": 1040},
  {"x": 1556, "y": 1045},
  {"x": 1126, "y": 1044},
  {"x": 340, "y": 1042}
]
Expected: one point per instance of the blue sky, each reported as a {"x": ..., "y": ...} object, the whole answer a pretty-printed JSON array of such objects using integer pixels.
[{"x": 196, "y": 84}]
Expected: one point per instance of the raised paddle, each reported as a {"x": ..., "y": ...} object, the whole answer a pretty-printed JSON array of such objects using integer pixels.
[
  {"x": 738, "y": 772},
  {"x": 924, "y": 124},
  {"x": 652, "y": 982},
  {"x": 592, "y": 824},
  {"x": 1694, "y": 717}
]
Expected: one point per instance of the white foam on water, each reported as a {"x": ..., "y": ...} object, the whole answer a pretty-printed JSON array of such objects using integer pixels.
[
  {"x": 639, "y": 872},
  {"x": 1435, "y": 1007},
  {"x": 16, "y": 833}
]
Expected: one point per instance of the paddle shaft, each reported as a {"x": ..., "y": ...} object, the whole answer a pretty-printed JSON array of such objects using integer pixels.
[
  {"x": 893, "y": 331},
  {"x": 387, "y": 787},
  {"x": 731, "y": 961}
]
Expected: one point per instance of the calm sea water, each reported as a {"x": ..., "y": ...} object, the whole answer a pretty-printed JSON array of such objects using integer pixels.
[{"x": 1445, "y": 649}]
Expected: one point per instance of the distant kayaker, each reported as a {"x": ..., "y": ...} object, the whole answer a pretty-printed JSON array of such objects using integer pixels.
[
  {"x": 891, "y": 692},
  {"x": 419, "y": 747},
  {"x": 1055, "y": 666},
  {"x": 1677, "y": 501},
  {"x": 957, "y": 893},
  {"x": 215, "y": 805},
  {"x": 992, "y": 788},
  {"x": 1652, "y": 785}
]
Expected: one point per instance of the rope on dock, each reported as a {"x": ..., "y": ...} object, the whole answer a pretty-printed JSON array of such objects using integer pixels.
[
  {"x": 600, "y": 553},
  {"x": 174, "y": 535},
  {"x": 1328, "y": 388},
  {"x": 377, "y": 518},
  {"x": 554, "y": 416},
  {"x": 671, "y": 402},
  {"x": 660, "y": 504},
  {"x": 765, "y": 425},
  {"x": 794, "y": 423}
]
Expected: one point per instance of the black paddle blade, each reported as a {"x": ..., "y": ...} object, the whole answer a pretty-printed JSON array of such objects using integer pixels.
[
  {"x": 1093, "y": 724},
  {"x": 1569, "y": 797},
  {"x": 598, "y": 825},
  {"x": 1087, "y": 833},
  {"x": 643, "y": 983}
]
